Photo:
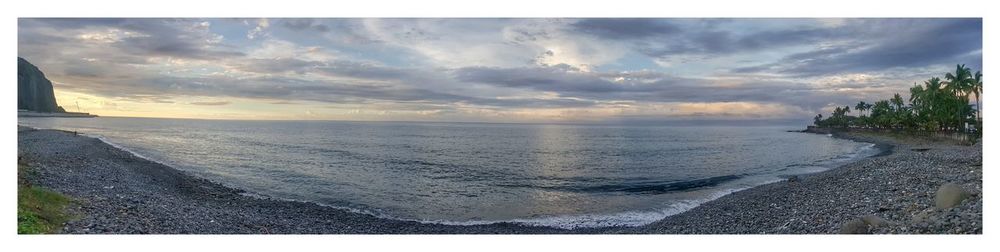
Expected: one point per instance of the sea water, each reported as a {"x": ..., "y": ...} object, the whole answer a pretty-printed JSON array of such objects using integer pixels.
[{"x": 470, "y": 173}]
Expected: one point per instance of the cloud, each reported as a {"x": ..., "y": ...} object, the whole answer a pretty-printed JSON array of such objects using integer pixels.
[
  {"x": 647, "y": 86},
  {"x": 625, "y": 28},
  {"x": 277, "y": 65},
  {"x": 913, "y": 43},
  {"x": 304, "y": 24},
  {"x": 135, "y": 38},
  {"x": 950, "y": 40},
  {"x": 212, "y": 103},
  {"x": 563, "y": 68},
  {"x": 778, "y": 38},
  {"x": 554, "y": 79},
  {"x": 173, "y": 38},
  {"x": 709, "y": 37},
  {"x": 260, "y": 30},
  {"x": 369, "y": 71}
]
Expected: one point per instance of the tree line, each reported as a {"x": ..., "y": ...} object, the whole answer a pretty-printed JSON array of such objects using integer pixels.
[{"x": 937, "y": 105}]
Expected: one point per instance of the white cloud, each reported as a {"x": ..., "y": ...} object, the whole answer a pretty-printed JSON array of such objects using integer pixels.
[
  {"x": 494, "y": 43},
  {"x": 109, "y": 35},
  {"x": 273, "y": 48},
  {"x": 260, "y": 30}
]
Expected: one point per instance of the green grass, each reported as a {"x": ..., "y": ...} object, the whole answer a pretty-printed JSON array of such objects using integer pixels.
[{"x": 39, "y": 210}]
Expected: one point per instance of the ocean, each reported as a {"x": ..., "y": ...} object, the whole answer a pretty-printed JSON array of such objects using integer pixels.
[{"x": 556, "y": 175}]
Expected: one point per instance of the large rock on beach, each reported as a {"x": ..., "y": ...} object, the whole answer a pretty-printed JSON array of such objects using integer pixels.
[
  {"x": 949, "y": 195},
  {"x": 863, "y": 225},
  {"x": 875, "y": 221},
  {"x": 855, "y": 226}
]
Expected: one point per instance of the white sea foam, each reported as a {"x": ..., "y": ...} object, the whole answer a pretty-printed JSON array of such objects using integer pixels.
[{"x": 623, "y": 219}]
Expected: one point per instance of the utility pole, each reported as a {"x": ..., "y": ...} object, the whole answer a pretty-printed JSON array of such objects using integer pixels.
[{"x": 78, "y": 106}]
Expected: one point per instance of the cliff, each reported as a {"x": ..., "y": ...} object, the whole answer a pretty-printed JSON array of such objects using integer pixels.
[{"x": 34, "y": 91}]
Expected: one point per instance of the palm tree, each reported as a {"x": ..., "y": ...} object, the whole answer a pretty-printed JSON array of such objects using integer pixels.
[
  {"x": 847, "y": 120},
  {"x": 898, "y": 114},
  {"x": 920, "y": 105},
  {"x": 916, "y": 96},
  {"x": 977, "y": 89},
  {"x": 861, "y": 107},
  {"x": 936, "y": 104},
  {"x": 868, "y": 107},
  {"x": 960, "y": 84},
  {"x": 933, "y": 100},
  {"x": 897, "y": 102}
]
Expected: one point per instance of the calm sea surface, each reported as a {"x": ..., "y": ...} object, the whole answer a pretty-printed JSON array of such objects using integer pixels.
[{"x": 468, "y": 173}]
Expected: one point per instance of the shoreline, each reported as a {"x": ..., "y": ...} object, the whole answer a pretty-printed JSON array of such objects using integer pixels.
[
  {"x": 127, "y": 196},
  {"x": 120, "y": 193},
  {"x": 55, "y": 114},
  {"x": 889, "y": 193}
]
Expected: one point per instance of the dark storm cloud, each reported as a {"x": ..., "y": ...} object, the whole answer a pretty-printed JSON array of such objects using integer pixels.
[
  {"x": 944, "y": 44},
  {"x": 304, "y": 24},
  {"x": 661, "y": 38},
  {"x": 173, "y": 47},
  {"x": 342, "y": 30},
  {"x": 625, "y": 28},
  {"x": 800, "y": 36},
  {"x": 912, "y": 43},
  {"x": 173, "y": 38},
  {"x": 719, "y": 42},
  {"x": 753, "y": 69},
  {"x": 819, "y": 53},
  {"x": 859, "y": 45},
  {"x": 180, "y": 38}
]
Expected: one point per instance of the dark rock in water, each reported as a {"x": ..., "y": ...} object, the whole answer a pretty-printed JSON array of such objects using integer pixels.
[
  {"x": 949, "y": 195},
  {"x": 855, "y": 226},
  {"x": 34, "y": 91}
]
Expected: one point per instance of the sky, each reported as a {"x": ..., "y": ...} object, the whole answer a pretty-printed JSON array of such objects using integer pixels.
[{"x": 490, "y": 70}]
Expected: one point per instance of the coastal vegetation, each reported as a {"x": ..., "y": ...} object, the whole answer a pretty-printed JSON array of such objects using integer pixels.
[
  {"x": 39, "y": 210},
  {"x": 938, "y": 105}
]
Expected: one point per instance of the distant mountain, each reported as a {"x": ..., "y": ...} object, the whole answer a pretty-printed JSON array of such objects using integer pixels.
[{"x": 34, "y": 91}]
